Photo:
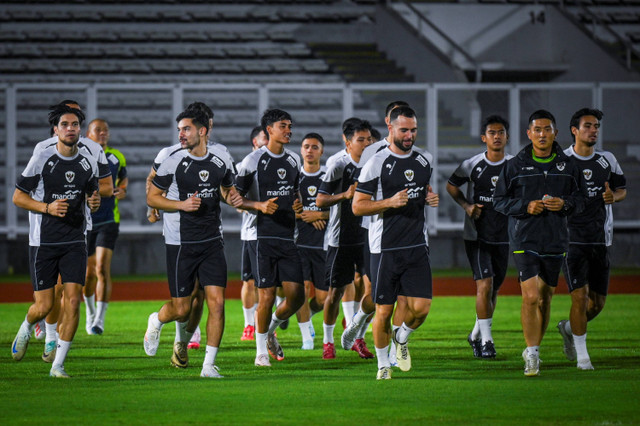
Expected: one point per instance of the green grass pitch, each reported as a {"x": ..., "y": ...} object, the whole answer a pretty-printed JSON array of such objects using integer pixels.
[{"x": 114, "y": 382}]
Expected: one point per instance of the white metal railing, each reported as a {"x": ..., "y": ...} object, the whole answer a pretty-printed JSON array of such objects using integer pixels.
[{"x": 433, "y": 102}]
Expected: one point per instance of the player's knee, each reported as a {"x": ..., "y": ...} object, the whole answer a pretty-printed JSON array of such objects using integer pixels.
[{"x": 72, "y": 302}]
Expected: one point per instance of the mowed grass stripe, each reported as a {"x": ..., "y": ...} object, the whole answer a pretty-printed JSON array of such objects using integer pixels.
[{"x": 115, "y": 382}]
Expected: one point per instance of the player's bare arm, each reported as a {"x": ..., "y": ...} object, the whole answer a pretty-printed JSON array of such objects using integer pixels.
[
  {"x": 120, "y": 191},
  {"x": 93, "y": 201},
  {"x": 611, "y": 197},
  {"x": 473, "y": 210},
  {"x": 157, "y": 200},
  {"x": 363, "y": 205},
  {"x": 106, "y": 186},
  {"x": 326, "y": 200},
  {"x": 56, "y": 208},
  {"x": 432, "y": 199}
]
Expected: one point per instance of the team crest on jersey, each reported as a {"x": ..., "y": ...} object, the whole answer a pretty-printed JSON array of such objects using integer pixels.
[
  {"x": 70, "y": 176},
  {"x": 587, "y": 173},
  {"x": 494, "y": 180},
  {"x": 312, "y": 190},
  {"x": 204, "y": 175},
  {"x": 282, "y": 173},
  {"x": 409, "y": 174},
  {"x": 561, "y": 165}
]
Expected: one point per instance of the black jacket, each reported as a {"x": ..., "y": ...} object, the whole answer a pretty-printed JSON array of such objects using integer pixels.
[{"x": 521, "y": 181}]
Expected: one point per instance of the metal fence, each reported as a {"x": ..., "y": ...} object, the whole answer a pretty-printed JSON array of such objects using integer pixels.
[{"x": 141, "y": 117}]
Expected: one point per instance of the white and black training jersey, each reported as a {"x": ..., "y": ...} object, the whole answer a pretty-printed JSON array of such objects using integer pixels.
[
  {"x": 307, "y": 235},
  {"x": 50, "y": 176},
  {"x": 594, "y": 225},
  {"x": 481, "y": 176},
  {"x": 263, "y": 175},
  {"x": 367, "y": 154},
  {"x": 382, "y": 177},
  {"x": 344, "y": 228},
  {"x": 181, "y": 175},
  {"x": 167, "y": 151}
]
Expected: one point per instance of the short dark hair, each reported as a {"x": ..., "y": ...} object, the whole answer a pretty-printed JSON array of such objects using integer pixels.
[
  {"x": 354, "y": 124},
  {"x": 271, "y": 116},
  {"x": 392, "y": 105},
  {"x": 197, "y": 115},
  {"x": 575, "y": 119},
  {"x": 65, "y": 102},
  {"x": 203, "y": 107},
  {"x": 542, "y": 114},
  {"x": 255, "y": 132},
  {"x": 493, "y": 119},
  {"x": 404, "y": 111},
  {"x": 313, "y": 135},
  {"x": 57, "y": 111},
  {"x": 375, "y": 134}
]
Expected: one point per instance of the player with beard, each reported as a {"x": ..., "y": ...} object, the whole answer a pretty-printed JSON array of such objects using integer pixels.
[
  {"x": 54, "y": 187},
  {"x": 394, "y": 189},
  {"x": 586, "y": 267}
]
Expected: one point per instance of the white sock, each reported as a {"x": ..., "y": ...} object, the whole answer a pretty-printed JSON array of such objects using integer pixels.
[
  {"x": 195, "y": 336},
  {"x": 249, "y": 316},
  {"x": 51, "y": 332},
  {"x": 181, "y": 332},
  {"x": 580, "y": 342},
  {"x": 90, "y": 305},
  {"x": 210, "y": 355},
  {"x": 402, "y": 336},
  {"x": 383, "y": 357},
  {"x": 275, "y": 322},
  {"x": 485, "y": 329},
  {"x": 279, "y": 300},
  {"x": 305, "y": 330},
  {"x": 534, "y": 350},
  {"x": 359, "y": 318},
  {"x": 349, "y": 311},
  {"x": 156, "y": 321},
  {"x": 364, "y": 327},
  {"x": 328, "y": 333},
  {"x": 61, "y": 353},
  {"x": 101, "y": 311},
  {"x": 261, "y": 343},
  {"x": 475, "y": 333},
  {"x": 28, "y": 327}
]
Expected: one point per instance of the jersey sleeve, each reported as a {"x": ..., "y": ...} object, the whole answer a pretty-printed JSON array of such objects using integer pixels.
[
  {"x": 164, "y": 176},
  {"x": 461, "y": 175},
  {"x": 246, "y": 174},
  {"x": 331, "y": 180},
  {"x": 617, "y": 179},
  {"x": 92, "y": 183},
  {"x": 162, "y": 155},
  {"x": 368, "y": 179},
  {"x": 30, "y": 177}
]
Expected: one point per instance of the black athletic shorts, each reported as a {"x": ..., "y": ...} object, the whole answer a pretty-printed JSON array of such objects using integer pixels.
[
  {"x": 342, "y": 264},
  {"x": 366, "y": 256},
  {"x": 547, "y": 266},
  {"x": 48, "y": 261},
  {"x": 404, "y": 272},
  {"x": 313, "y": 266},
  {"x": 587, "y": 264},
  {"x": 187, "y": 262},
  {"x": 488, "y": 260},
  {"x": 278, "y": 261},
  {"x": 104, "y": 235},
  {"x": 248, "y": 260}
]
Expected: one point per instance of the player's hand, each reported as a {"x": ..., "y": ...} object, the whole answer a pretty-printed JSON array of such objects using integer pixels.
[
  {"x": 153, "y": 215},
  {"x": 119, "y": 193},
  {"x": 535, "y": 207},
  {"x": 553, "y": 204},
  {"x": 607, "y": 195},
  {"x": 400, "y": 199},
  {"x": 270, "y": 206},
  {"x": 474, "y": 210},
  {"x": 234, "y": 198},
  {"x": 58, "y": 208},
  {"x": 433, "y": 199},
  {"x": 297, "y": 206},
  {"x": 94, "y": 201},
  {"x": 310, "y": 216},
  {"x": 319, "y": 224},
  {"x": 348, "y": 194},
  {"x": 192, "y": 203}
]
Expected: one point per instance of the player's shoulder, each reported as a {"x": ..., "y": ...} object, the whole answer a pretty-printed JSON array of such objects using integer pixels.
[
  {"x": 292, "y": 155},
  {"x": 419, "y": 152},
  {"x": 611, "y": 159},
  {"x": 52, "y": 141}
]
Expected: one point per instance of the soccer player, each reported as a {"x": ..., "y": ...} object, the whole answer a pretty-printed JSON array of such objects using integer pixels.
[
  {"x": 105, "y": 182},
  {"x": 538, "y": 189},
  {"x": 310, "y": 227},
  {"x": 101, "y": 240},
  {"x": 269, "y": 178},
  {"x": 345, "y": 236},
  {"x": 586, "y": 267},
  {"x": 194, "y": 179},
  {"x": 249, "y": 292},
  {"x": 53, "y": 188},
  {"x": 485, "y": 230},
  {"x": 353, "y": 335},
  {"x": 394, "y": 186}
]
